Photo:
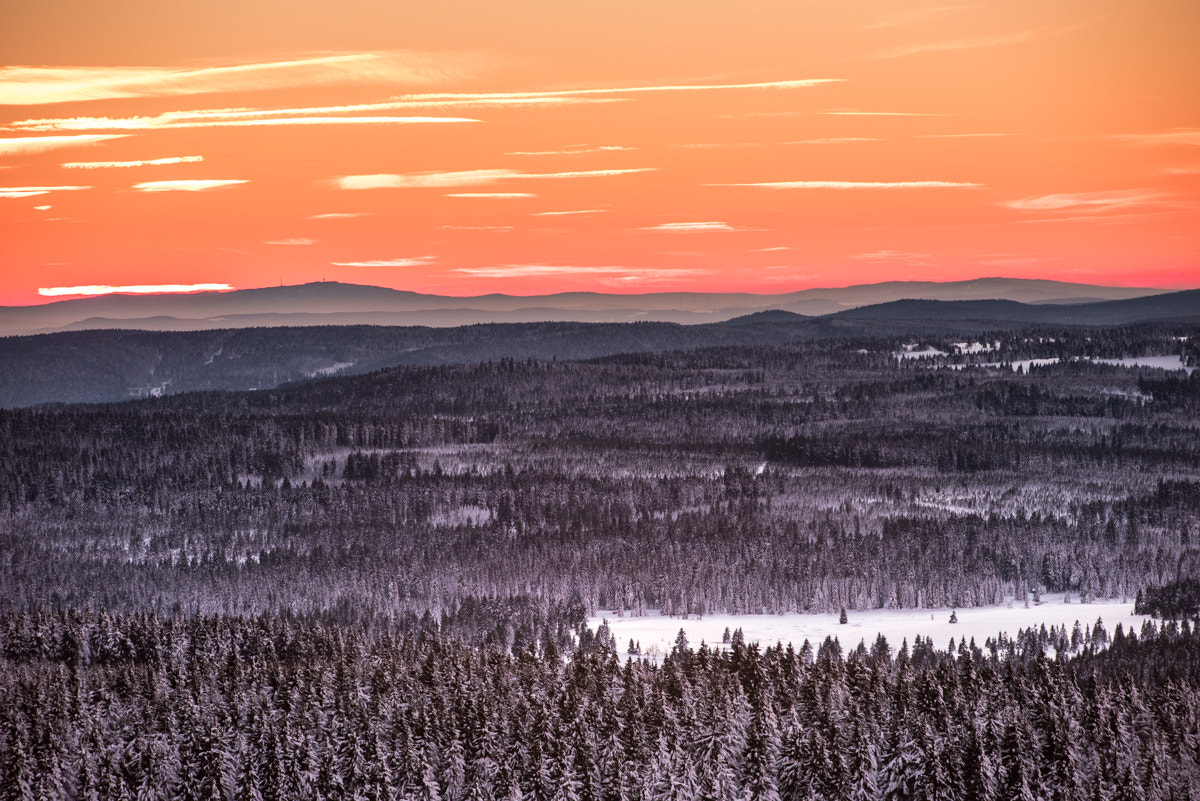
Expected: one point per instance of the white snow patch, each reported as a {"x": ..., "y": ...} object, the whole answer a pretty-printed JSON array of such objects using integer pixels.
[
  {"x": 1160, "y": 362},
  {"x": 332, "y": 369},
  {"x": 911, "y": 352},
  {"x": 657, "y": 633},
  {"x": 975, "y": 347}
]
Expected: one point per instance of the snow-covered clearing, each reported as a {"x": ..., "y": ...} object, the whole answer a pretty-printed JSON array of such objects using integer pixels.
[
  {"x": 1161, "y": 362},
  {"x": 657, "y": 633},
  {"x": 332, "y": 369},
  {"x": 910, "y": 352}
]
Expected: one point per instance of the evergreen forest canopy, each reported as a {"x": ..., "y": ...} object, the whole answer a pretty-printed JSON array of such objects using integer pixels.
[{"x": 377, "y": 585}]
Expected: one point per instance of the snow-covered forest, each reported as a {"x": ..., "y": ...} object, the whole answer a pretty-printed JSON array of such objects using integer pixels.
[{"x": 388, "y": 585}]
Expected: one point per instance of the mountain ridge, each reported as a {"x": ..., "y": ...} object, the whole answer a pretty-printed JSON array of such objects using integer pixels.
[{"x": 353, "y": 304}]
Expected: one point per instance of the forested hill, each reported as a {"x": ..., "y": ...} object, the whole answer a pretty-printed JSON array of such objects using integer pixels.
[
  {"x": 379, "y": 586},
  {"x": 514, "y": 495},
  {"x": 110, "y": 365}
]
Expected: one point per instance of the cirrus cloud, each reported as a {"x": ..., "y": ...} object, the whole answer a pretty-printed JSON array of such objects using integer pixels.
[
  {"x": 545, "y": 270},
  {"x": 100, "y": 165},
  {"x": 1082, "y": 201},
  {"x": 188, "y": 186},
  {"x": 138, "y": 289},
  {"x": 31, "y": 191},
  {"x": 26, "y": 145},
  {"x": 26, "y": 85},
  {"x": 856, "y": 184},
  {"x": 412, "y": 261},
  {"x": 690, "y": 227}
]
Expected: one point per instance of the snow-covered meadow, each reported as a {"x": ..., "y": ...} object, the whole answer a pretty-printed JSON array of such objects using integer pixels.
[{"x": 657, "y": 633}]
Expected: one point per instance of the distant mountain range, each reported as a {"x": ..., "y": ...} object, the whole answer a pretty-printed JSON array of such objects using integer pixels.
[
  {"x": 332, "y": 303},
  {"x": 111, "y": 365}
]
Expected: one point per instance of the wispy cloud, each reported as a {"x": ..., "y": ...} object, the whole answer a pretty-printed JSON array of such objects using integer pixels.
[
  {"x": 619, "y": 90},
  {"x": 912, "y": 16},
  {"x": 100, "y": 165},
  {"x": 890, "y": 255},
  {"x": 770, "y": 250},
  {"x": 26, "y": 145},
  {"x": 31, "y": 191},
  {"x": 540, "y": 270},
  {"x": 978, "y": 42},
  {"x": 1176, "y": 136},
  {"x": 341, "y": 215},
  {"x": 1086, "y": 201},
  {"x": 567, "y": 213},
  {"x": 24, "y": 85},
  {"x": 691, "y": 227},
  {"x": 139, "y": 289},
  {"x": 173, "y": 120},
  {"x": 476, "y": 227},
  {"x": 339, "y": 115},
  {"x": 835, "y": 140},
  {"x": 492, "y": 194},
  {"x": 187, "y": 186},
  {"x": 855, "y": 113},
  {"x": 570, "y": 151},
  {"x": 961, "y": 135},
  {"x": 414, "y": 261},
  {"x": 297, "y": 241},
  {"x": 464, "y": 178},
  {"x": 856, "y": 184}
]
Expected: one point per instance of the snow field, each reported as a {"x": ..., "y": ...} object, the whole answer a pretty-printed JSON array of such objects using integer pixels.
[{"x": 657, "y": 633}]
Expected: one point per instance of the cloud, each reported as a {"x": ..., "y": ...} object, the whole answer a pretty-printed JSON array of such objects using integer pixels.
[
  {"x": 422, "y": 180},
  {"x": 890, "y": 255},
  {"x": 172, "y": 120},
  {"x": 43, "y": 208},
  {"x": 570, "y": 151},
  {"x": 415, "y": 261},
  {"x": 852, "y": 113},
  {"x": 492, "y": 194},
  {"x": 770, "y": 250},
  {"x": 622, "y": 90},
  {"x": 463, "y": 178},
  {"x": 186, "y": 186},
  {"x": 566, "y": 213},
  {"x": 1177, "y": 136},
  {"x": 141, "y": 289},
  {"x": 476, "y": 227},
  {"x": 25, "y": 145},
  {"x": 1085, "y": 201},
  {"x": 835, "y": 140},
  {"x": 341, "y": 215},
  {"x": 540, "y": 270},
  {"x": 855, "y": 184},
  {"x": 31, "y": 191},
  {"x": 975, "y": 43},
  {"x": 296, "y": 241},
  {"x": 691, "y": 227},
  {"x": 25, "y": 85},
  {"x": 98, "y": 165},
  {"x": 909, "y": 17},
  {"x": 316, "y": 115}
]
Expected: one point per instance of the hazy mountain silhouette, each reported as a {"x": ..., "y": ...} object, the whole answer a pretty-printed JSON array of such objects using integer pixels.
[
  {"x": 108, "y": 365},
  {"x": 332, "y": 303}
]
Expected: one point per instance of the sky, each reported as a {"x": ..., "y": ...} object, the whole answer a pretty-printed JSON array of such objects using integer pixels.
[{"x": 467, "y": 147}]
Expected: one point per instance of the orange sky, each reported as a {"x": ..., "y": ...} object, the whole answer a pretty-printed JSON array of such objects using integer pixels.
[{"x": 470, "y": 146}]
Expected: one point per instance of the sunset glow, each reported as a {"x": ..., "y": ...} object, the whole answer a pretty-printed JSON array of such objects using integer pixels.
[{"x": 542, "y": 146}]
